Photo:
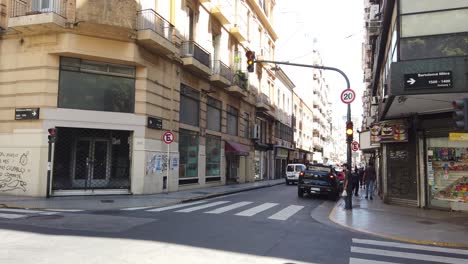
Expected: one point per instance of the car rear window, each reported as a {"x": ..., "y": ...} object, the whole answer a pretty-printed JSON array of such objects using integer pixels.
[
  {"x": 320, "y": 169},
  {"x": 290, "y": 168}
]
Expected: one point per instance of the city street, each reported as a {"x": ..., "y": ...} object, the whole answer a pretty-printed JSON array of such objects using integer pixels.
[{"x": 269, "y": 225}]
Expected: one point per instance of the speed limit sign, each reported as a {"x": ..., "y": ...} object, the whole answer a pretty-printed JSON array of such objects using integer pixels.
[{"x": 347, "y": 96}]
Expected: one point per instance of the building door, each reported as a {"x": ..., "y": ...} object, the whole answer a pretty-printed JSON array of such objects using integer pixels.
[
  {"x": 232, "y": 165},
  {"x": 46, "y": 6},
  {"x": 91, "y": 163}
]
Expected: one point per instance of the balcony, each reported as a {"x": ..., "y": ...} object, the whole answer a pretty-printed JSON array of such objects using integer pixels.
[
  {"x": 155, "y": 32},
  {"x": 37, "y": 16},
  {"x": 222, "y": 10},
  {"x": 239, "y": 29},
  {"x": 195, "y": 58},
  {"x": 318, "y": 142},
  {"x": 222, "y": 74},
  {"x": 240, "y": 84},
  {"x": 263, "y": 103}
]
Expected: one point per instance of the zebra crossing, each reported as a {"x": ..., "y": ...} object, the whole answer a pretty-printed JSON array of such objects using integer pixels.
[
  {"x": 365, "y": 251},
  {"x": 244, "y": 208},
  {"x": 11, "y": 214}
]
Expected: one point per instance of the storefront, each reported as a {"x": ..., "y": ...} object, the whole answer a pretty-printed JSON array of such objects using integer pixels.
[
  {"x": 234, "y": 152},
  {"x": 213, "y": 158},
  {"x": 188, "y": 151},
  {"x": 281, "y": 155},
  {"x": 447, "y": 173}
]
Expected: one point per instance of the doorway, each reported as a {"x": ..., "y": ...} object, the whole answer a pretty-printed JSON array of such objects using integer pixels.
[
  {"x": 232, "y": 166},
  {"x": 91, "y": 163}
]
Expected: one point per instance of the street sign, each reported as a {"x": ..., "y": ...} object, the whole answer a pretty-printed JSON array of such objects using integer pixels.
[
  {"x": 348, "y": 96},
  {"x": 154, "y": 123},
  {"x": 441, "y": 79},
  {"x": 26, "y": 113},
  {"x": 355, "y": 146},
  {"x": 168, "y": 137}
]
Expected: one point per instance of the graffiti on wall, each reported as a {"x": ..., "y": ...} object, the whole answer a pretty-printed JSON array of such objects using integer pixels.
[
  {"x": 15, "y": 166},
  {"x": 158, "y": 162}
]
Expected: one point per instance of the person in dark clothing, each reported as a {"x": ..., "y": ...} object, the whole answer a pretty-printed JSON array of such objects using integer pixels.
[
  {"x": 361, "y": 177},
  {"x": 355, "y": 182},
  {"x": 369, "y": 178},
  {"x": 348, "y": 186}
]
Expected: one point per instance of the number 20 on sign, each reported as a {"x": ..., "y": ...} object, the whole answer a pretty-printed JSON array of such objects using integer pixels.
[{"x": 347, "y": 96}]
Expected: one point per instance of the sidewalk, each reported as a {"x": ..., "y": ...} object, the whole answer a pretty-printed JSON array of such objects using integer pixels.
[
  {"x": 114, "y": 202},
  {"x": 413, "y": 225}
]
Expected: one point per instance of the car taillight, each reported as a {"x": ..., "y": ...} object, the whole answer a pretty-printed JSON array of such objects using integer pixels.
[
  {"x": 331, "y": 176},
  {"x": 301, "y": 174}
]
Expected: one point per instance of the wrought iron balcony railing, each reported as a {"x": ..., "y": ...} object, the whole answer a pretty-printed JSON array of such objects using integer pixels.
[
  {"x": 150, "y": 19},
  {"x": 263, "y": 98},
  {"x": 24, "y": 7},
  {"x": 222, "y": 69},
  {"x": 193, "y": 49}
]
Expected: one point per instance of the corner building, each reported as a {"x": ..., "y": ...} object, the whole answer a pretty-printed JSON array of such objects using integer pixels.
[
  {"x": 111, "y": 77},
  {"x": 415, "y": 58}
]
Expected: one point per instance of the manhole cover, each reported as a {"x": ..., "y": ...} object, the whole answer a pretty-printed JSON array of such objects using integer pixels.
[
  {"x": 426, "y": 222},
  {"x": 107, "y": 201}
]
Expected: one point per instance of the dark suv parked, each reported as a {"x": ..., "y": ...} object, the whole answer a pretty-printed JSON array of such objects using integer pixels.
[{"x": 318, "y": 179}]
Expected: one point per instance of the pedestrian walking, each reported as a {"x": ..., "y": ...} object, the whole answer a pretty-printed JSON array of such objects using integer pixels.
[
  {"x": 361, "y": 177},
  {"x": 348, "y": 187},
  {"x": 355, "y": 181},
  {"x": 369, "y": 179}
]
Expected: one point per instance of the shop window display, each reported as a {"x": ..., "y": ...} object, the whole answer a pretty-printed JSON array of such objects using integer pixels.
[{"x": 447, "y": 172}]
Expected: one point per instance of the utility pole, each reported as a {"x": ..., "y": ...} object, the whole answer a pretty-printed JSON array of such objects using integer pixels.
[{"x": 348, "y": 86}]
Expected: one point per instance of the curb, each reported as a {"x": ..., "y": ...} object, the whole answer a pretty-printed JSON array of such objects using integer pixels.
[
  {"x": 391, "y": 237},
  {"x": 186, "y": 200}
]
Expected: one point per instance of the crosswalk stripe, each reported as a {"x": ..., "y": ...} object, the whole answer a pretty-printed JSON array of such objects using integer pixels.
[
  {"x": 174, "y": 206},
  {"x": 410, "y": 246},
  {"x": 27, "y": 211},
  {"x": 286, "y": 212},
  {"x": 368, "y": 261},
  {"x": 65, "y": 210},
  {"x": 195, "y": 208},
  {"x": 228, "y": 208},
  {"x": 11, "y": 216},
  {"x": 135, "y": 208},
  {"x": 257, "y": 209},
  {"x": 399, "y": 254}
]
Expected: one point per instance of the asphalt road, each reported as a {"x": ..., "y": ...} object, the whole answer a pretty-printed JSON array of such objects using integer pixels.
[{"x": 270, "y": 225}]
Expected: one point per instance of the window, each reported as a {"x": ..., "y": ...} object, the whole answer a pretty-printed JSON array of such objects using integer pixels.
[
  {"x": 213, "y": 156},
  {"x": 90, "y": 85},
  {"x": 232, "y": 121},
  {"x": 189, "y": 105},
  {"x": 247, "y": 125},
  {"x": 191, "y": 17},
  {"x": 188, "y": 151},
  {"x": 213, "y": 114}
]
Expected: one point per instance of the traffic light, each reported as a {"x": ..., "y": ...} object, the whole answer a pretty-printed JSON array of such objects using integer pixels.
[
  {"x": 51, "y": 135},
  {"x": 460, "y": 114},
  {"x": 349, "y": 131},
  {"x": 250, "y": 60}
]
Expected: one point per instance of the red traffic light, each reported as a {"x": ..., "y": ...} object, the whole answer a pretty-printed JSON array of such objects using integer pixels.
[
  {"x": 51, "y": 131},
  {"x": 250, "y": 54}
]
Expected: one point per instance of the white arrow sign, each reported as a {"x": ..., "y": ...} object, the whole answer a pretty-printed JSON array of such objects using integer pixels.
[
  {"x": 411, "y": 81},
  {"x": 34, "y": 113}
]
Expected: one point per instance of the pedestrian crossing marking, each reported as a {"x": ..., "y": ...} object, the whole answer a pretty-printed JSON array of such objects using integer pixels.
[
  {"x": 12, "y": 216},
  {"x": 135, "y": 208},
  {"x": 368, "y": 261},
  {"x": 26, "y": 211},
  {"x": 257, "y": 209},
  {"x": 228, "y": 208},
  {"x": 406, "y": 255},
  {"x": 410, "y": 246},
  {"x": 200, "y": 207},
  {"x": 286, "y": 212},
  {"x": 174, "y": 206}
]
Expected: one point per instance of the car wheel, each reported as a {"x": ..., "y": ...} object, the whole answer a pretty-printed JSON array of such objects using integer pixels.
[{"x": 300, "y": 193}]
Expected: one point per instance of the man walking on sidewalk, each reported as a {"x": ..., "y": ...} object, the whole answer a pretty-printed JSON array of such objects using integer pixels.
[
  {"x": 369, "y": 179},
  {"x": 348, "y": 186}
]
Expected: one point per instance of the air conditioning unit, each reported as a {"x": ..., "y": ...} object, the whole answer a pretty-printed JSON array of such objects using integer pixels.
[
  {"x": 375, "y": 100},
  {"x": 256, "y": 132}
]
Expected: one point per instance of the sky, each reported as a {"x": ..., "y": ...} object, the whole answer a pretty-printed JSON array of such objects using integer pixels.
[{"x": 334, "y": 28}]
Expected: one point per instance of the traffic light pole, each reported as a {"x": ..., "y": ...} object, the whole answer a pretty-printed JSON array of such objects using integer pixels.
[{"x": 348, "y": 86}]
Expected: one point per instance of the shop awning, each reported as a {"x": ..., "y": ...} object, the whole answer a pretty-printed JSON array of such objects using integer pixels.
[{"x": 235, "y": 148}]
